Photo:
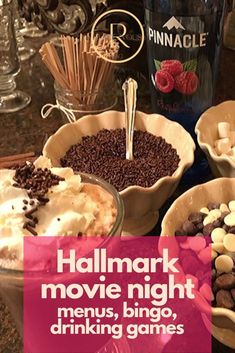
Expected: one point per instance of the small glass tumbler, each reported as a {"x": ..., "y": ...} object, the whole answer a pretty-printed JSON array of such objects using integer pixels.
[
  {"x": 78, "y": 103},
  {"x": 11, "y": 100}
]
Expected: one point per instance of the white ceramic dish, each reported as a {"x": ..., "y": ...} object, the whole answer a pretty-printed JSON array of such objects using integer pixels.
[
  {"x": 141, "y": 204},
  {"x": 207, "y": 134},
  {"x": 221, "y": 190}
]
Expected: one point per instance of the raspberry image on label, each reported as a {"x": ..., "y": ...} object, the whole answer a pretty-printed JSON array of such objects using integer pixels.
[
  {"x": 164, "y": 81},
  {"x": 187, "y": 83},
  {"x": 174, "y": 67},
  {"x": 173, "y": 75}
]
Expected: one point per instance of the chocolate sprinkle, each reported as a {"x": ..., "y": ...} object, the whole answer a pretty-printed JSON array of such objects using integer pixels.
[{"x": 105, "y": 156}]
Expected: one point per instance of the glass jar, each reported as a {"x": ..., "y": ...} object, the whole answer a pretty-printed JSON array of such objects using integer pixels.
[{"x": 79, "y": 103}]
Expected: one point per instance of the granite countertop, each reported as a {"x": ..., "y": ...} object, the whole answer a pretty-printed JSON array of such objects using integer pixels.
[{"x": 26, "y": 131}]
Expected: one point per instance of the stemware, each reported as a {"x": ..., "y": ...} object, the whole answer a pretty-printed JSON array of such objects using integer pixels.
[{"x": 11, "y": 100}]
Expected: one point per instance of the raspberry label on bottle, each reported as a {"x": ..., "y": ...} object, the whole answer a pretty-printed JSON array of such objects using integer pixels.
[
  {"x": 183, "y": 54},
  {"x": 173, "y": 75}
]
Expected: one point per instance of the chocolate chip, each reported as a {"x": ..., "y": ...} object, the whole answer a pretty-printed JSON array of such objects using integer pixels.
[
  {"x": 226, "y": 228},
  {"x": 232, "y": 230},
  {"x": 226, "y": 281},
  {"x": 224, "y": 299},
  {"x": 196, "y": 218},
  {"x": 189, "y": 228},
  {"x": 213, "y": 206},
  {"x": 233, "y": 294},
  {"x": 208, "y": 229},
  {"x": 181, "y": 233}
]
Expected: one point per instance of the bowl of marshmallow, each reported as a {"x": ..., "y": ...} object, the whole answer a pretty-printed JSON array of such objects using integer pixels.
[{"x": 216, "y": 136}]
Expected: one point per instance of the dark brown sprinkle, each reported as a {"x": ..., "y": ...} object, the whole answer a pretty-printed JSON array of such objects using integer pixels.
[
  {"x": 31, "y": 230},
  {"x": 58, "y": 219},
  {"x": 30, "y": 212},
  {"x": 25, "y": 202},
  {"x": 31, "y": 202},
  {"x": 12, "y": 207},
  {"x": 24, "y": 208},
  {"x": 80, "y": 234},
  {"x": 105, "y": 156}
]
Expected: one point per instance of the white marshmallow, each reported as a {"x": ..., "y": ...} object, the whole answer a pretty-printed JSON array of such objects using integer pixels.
[
  {"x": 223, "y": 146},
  {"x": 224, "y": 130},
  {"x": 232, "y": 138}
]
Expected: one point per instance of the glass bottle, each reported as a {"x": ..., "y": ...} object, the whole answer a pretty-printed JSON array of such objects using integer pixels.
[
  {"x": 184, "y": 39},
  {"x": 11, "y": 100}
]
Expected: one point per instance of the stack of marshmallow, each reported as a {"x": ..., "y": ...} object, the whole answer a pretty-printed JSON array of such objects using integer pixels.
[{"x": 225, "y": 145}]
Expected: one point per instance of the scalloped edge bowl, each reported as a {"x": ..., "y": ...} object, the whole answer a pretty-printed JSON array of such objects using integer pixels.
[
  {"x": 207, "y": 134},
  {"x": 218, "y": 190},
  {"x": 141, "y": 204}
]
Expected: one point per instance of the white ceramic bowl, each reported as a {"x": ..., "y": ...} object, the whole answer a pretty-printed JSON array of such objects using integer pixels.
[
  {"x": 207, "y": 134},
  {"x": 141, "y": 204},
  {"x": 221, "y": 190}
]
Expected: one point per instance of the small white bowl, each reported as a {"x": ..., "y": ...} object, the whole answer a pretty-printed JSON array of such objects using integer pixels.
[
  {"x": 207, "y": 134},
  {"x": 217, "y": 191},
  {"x": 141, "y": 204}
]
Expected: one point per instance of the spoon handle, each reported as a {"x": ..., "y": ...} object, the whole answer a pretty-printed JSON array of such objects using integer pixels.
[{"x": 130, "y": 87}]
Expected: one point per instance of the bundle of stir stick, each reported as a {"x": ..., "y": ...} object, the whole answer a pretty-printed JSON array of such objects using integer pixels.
[{"x": 80, "y": 69}]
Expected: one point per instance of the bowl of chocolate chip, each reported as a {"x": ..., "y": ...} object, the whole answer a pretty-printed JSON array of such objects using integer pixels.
[
  {"x": 207, "y": 213},
  {"x": 96, "y": 144},
  {"x": 216, "y": 136}
]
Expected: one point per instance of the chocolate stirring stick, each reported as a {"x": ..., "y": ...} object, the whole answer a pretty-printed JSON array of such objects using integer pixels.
[{"x": 130, "y": 87}]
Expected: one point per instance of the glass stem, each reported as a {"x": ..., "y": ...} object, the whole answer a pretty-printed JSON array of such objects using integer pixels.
[{"x": 7, "y": 84}]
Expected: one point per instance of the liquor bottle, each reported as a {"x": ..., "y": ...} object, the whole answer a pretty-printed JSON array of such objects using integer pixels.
[{"x": 184, "y": 39}]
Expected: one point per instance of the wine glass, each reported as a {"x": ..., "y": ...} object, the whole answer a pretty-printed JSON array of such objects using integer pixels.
[{"x": 11, "y": 100}]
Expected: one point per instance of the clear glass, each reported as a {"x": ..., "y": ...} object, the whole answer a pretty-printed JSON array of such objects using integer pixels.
[
  {"x": 11, "y": 100},
  {"x": 80, "y": 103},
  {"x": 25, "y": 52},
  {"x": 30, "y": 30},
  {"x": 11, "y": 281}
]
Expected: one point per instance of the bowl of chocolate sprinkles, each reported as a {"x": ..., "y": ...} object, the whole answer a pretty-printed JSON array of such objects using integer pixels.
[
  {"x": 180, "y": 217},
  {"x": 96, "y": 144}
]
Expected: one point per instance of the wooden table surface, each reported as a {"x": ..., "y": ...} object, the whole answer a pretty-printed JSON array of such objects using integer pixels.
[{"x": 26, "y": 131}]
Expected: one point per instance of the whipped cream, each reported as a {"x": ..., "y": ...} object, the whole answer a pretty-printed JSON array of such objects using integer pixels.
[{"x": 73, "y": 209}]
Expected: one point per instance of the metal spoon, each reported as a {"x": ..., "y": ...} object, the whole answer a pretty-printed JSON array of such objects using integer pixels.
[{"x": 130, "y": 87}]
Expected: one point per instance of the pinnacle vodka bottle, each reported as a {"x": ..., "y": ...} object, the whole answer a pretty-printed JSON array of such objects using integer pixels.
[{"x": 183, "y": 39}]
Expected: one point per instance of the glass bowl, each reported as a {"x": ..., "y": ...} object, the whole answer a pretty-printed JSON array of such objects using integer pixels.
[{"x": 12, "y": 281}]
